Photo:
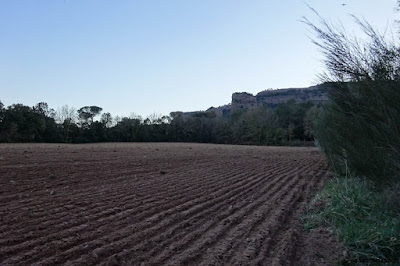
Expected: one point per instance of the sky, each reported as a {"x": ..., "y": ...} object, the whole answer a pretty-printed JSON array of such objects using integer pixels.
[{"x": 159, "y": 56}]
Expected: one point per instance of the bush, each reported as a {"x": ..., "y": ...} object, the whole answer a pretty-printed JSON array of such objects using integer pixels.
[{"x": 359, "y": 129}]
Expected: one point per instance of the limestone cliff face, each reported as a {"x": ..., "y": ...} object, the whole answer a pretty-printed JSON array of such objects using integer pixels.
[
  {"x": 245, "y": 101},
  {"x": 272, "y": 98},
  {"x": 222, "y": 111}
]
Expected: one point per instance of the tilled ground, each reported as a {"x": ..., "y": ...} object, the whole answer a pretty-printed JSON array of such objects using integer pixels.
[{"x": 159, "y": 204}]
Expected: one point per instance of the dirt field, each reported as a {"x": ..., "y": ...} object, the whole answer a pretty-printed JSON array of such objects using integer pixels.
[{"x": 159, "y": 204}]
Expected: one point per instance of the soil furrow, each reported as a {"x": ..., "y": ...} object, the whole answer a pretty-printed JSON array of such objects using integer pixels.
[
  {"x": 202, "y": 216},
  {"x": 88, "y": 218},
  {"x": 189, "y": 249},
  {"x": 152, "y": 225},
  {"x": 151, "y": 197},
  {"x": 154, "y": 203},
  {"x": 80, "y": 228}
]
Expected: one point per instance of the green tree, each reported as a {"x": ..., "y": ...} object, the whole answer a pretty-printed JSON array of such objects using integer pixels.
[
  {"x": 309, "y": 118},
  {"x": 1, "y": 111},
  {"x": 291, "y": 118},
  {"x": 106, "y": 119},
  {"x": 22, "y": 124},
  {"x": 177, "y": 126},
  {"x": 44, "y": 109},
  {"x": 128, "y": 129},
  {"x": 97, "y": 132},
  {"x": 87, "y": 114}
]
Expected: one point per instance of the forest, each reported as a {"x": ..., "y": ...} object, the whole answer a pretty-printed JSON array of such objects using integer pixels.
[{"x": 289, "y": 123}]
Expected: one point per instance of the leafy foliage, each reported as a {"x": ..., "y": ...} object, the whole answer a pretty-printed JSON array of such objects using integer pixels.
[
  {"x": 21, "y": 123},
  {"x": 359, "y": 131},
  {"x": 360, "y": 127},
  {"x": 87, "y": 113},
  {"x": 261, "y": 126}
]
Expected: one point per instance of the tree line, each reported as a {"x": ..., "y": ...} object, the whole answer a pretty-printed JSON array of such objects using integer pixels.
[{"x": 289, "y": 123}]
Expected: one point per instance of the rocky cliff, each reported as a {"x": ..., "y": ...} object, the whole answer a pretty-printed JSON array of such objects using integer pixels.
[
  {"x": 272, "y": 98},
  {"x": 245, "y": 101}
]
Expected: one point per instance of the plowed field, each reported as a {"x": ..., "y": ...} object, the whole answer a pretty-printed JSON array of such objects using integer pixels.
[{"x": 155, "y": 204}]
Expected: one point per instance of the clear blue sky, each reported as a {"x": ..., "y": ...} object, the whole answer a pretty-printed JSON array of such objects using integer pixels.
[{"x": 160, "y": 56}]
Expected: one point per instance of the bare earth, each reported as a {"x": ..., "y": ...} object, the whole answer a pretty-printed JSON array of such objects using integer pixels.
[{"x": 159, "y": 204}]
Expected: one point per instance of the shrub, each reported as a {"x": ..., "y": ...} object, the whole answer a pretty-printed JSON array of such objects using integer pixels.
[{"x": 359, "y": 129}]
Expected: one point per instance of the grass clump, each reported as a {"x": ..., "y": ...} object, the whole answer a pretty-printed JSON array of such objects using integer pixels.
[{"x": 363, "y": 218}]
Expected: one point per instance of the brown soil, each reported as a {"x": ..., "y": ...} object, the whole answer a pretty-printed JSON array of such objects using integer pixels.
[{"x": 159, "y": 204}]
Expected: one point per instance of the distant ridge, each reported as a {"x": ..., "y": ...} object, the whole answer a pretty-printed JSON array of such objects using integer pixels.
[{"x": 245, "y": 101}]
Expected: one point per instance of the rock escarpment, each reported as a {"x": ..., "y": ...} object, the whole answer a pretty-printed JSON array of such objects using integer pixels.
[{"x": 271, "y": 98}]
